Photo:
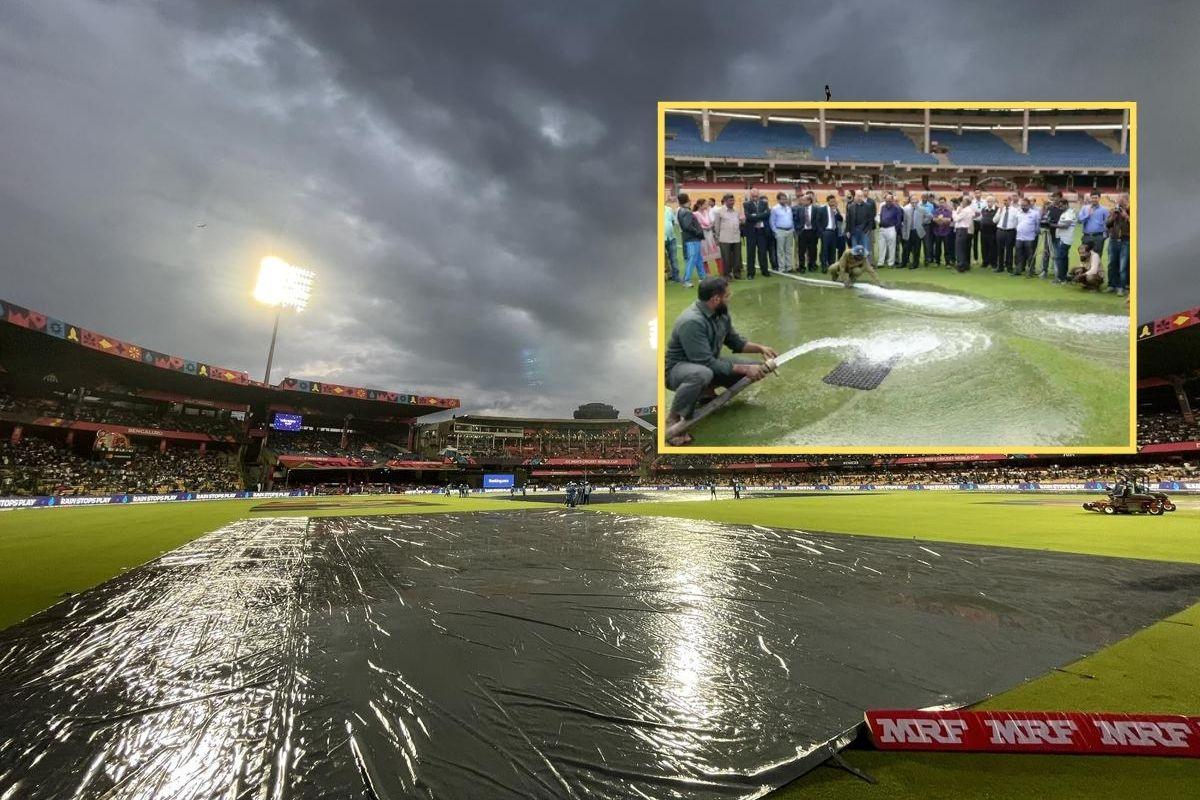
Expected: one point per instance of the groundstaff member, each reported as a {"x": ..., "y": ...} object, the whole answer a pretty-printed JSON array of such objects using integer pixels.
[
  {"x": 694, "y": 366},
  {"x": 852, "y": 266}
]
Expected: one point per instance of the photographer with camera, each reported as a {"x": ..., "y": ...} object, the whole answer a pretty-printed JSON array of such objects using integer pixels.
[{"x": 1118, "y": 246}]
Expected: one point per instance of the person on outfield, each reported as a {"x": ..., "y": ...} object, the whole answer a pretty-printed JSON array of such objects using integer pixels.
[
  {"x": 1087, "y": 274},
  {"x": 832, "y": 225},
  {"x": 964, "y": 230},
  {"x": 891, "y": 216},
  {"x": 1006, "y": 234},
  {"x": 985, "y": 232},
  {"x": 1094, "y": 219},
  {"x": 782, "y": 225},
  {"x": 694, "y": 366},
  {"x": 850, "y": 268},
  {"x": 860, "y": 220},
  {"x": 912, "y": 233},
  {"x": 1029, "y": 221},
  {"x": 806, "y": 219},
  {"x": 979, "y": 204},
  {"x": 693, "y": 236},
  {"x": 1064, "y": 235},
  {"x": 1053, "y": 211},
  {"x": 727, "y": 225},
  {"x": 930, "y": 207},
  {"x": 943, "y": 231},
  {"x": 756, "y": 212},
  {"x": 710, "y": 254},
  {"x": 1118, "y": 246},
  {"x": 671, "y": 243}
]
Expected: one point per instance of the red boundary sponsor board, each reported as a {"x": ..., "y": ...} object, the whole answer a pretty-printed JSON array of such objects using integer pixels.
[{"x": 1036, "y": 732}]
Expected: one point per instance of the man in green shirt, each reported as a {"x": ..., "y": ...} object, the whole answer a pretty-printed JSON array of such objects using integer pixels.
[{"x": 694, "y": 367}]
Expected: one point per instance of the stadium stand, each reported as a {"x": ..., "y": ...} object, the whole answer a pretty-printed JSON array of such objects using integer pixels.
[
  {"x": 500, "y": 437},
  {"x": 750, "y": 139},
  {"x": 103, "y": 409},
  {"x": 46, "y": 448},
  {"x": 329, "y": 444},
  {"x": 38, "y": 466},
  {"x": 742, "y": 138},
  {"x": 1165, "y": 427}
]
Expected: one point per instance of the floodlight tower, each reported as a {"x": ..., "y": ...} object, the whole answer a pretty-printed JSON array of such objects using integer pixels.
[{"x": 281, "y": 285}]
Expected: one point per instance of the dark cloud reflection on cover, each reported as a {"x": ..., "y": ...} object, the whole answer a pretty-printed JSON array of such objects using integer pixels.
[{"x": 474, "y": 183}]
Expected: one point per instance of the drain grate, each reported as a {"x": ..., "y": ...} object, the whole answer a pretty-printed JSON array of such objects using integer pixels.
[{"x": 860, "y": 373}]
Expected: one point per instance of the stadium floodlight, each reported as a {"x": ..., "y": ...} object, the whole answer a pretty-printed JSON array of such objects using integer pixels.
[{"x": 281, "y": 285}]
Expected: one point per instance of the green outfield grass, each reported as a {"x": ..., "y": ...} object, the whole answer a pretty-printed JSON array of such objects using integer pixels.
[
  {"x": 47, "y": 552},
  {"x": 1039, "y": 522},
  {"x": 1017, "y": 371}
]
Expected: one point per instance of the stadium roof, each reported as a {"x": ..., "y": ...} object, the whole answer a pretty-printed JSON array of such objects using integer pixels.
[
  {"x": 35, "y": 344},
  {"x": 1081, "y": 117},
  {"x": 1169, "y": 346}
]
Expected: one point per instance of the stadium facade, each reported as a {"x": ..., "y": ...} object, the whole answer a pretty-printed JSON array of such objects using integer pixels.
[{"x": 87, "y": 415}]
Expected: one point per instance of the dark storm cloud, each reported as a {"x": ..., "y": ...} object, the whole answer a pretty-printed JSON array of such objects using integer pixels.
[{"x": 473, "y": 182}]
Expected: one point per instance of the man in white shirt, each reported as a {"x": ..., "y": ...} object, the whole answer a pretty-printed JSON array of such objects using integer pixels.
[
  {"x": 978, "y": 203},
  {"x": 891, "y": 217},
  {"x": 1006, "y": 234},
  {"x": 671, "y": 242},
  {"x": 964, "y": 227},
  {"x": 727, "y": 228}
]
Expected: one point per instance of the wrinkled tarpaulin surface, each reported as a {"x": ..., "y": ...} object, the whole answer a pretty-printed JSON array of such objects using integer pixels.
[{"x": 526, "y": 654}]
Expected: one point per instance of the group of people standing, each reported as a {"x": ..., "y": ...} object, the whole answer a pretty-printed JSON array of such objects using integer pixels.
[{"x": 921, "y": 230}]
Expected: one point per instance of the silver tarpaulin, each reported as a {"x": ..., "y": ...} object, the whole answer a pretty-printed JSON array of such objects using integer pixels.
[{"x": 531, "y": 653}]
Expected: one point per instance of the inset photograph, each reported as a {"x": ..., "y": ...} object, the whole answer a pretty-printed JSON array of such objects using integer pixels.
[{"x": 905, "y": 277}]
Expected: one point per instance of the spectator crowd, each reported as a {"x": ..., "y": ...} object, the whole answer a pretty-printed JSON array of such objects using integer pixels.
[{"x": 36, "y": 466}]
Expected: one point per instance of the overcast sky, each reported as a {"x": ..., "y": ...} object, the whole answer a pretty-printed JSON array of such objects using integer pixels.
[{"x": 474, "y": 182}]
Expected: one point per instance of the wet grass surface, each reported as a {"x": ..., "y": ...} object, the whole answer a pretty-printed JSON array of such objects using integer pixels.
[{"x": 984, "y": 359}]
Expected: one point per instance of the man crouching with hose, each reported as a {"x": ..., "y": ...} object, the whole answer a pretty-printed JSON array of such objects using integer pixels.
[
  {"x": 852, "y": 266},
  {"x": 694, "y": 367}
]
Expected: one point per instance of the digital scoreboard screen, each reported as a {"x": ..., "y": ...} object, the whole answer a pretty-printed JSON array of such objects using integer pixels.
[
  {"x": 498, "y": 481},
  {"x": 286, "y": 422}
]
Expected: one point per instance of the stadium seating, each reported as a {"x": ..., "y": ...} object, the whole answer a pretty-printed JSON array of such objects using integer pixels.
[
  {"x": 37, "y": 466},
  {"x": 1071, "y": 149},
  {"x": 741, "y": 138},
  {"x": 548, "y": 441},
  {"x": 979, "y": 148},
  {"x": 1155, "y": 428},
  {"x": 329, "y": 444}
]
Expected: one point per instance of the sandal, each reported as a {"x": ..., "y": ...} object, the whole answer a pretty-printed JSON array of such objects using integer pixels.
[{"x": 680, "y": 440}]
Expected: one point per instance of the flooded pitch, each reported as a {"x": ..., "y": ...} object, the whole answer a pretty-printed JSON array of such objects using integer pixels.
[
  {"x": 547, "y": 654},
  {"x": 963, "y": 371}
]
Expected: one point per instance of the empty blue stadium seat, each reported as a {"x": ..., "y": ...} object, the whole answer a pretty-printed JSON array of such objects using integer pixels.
[{"x": 743, "y": 138}]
